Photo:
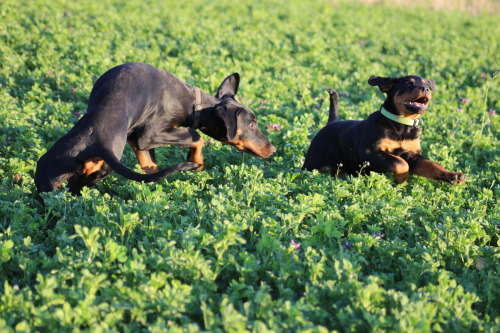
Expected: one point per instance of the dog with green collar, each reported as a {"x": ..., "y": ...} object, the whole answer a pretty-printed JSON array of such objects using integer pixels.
[{"x": 387, "y": 141}]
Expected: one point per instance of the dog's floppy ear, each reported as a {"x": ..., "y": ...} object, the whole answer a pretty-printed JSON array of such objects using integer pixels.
[
  {"x": 383, "y": 83},
  {"x": 431, "y": 84},
  {"x": 229, "y": 86},
  {"x": 229, "y": 115}
]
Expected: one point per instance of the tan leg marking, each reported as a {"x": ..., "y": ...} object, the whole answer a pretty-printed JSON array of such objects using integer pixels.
[
  {"x": 401, "y": 170},
  {"x": 92, "y": 165},
  {"x": 144, "y": 159},
  {"x": 196, "y": 154},
  {"x": 432, "y": 170}
]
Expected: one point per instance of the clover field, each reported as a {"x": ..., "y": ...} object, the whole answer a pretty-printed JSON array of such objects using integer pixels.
[{"x": 251, "y": 244}]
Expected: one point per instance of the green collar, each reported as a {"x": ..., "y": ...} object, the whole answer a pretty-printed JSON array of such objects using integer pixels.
[{"x": 418, "y": 123}]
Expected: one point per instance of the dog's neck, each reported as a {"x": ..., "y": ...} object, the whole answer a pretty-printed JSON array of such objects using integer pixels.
[
  {"x": 401, "y": 120},
  {"x": 209, "y": 123},
  {"x": 203, "y": 116},
  {"x": 197, "y": 107},
  {"x": 389, "y": 106},
  {"x": 396, "y": 129},
  {"x": 202, "y": 102}
]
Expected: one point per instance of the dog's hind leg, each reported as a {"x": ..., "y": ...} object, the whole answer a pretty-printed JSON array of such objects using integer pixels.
[
  {"x": 51, "y": 172},
  {"x": 79, "y": 180}
]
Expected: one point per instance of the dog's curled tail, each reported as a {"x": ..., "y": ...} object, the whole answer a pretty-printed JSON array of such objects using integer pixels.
[
  {"x": 333, "y": 115},
  {"x": 117, "y": 166}
]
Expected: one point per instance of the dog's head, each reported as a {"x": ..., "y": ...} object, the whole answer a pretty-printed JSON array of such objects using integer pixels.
[
  {"x": 241, "y": 130},
  {"x": 407, "y": 96}
]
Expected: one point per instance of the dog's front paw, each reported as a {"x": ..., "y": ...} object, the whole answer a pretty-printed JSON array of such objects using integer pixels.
[
  {"x": 453, "y": 178},
  {"x": 149, "y": 169},
  {"x": 199, "y": 168},
  {"x": 199, "y": 162}
]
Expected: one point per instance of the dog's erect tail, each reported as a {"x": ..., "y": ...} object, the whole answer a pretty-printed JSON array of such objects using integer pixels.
[
  {"x": 117, "y": 166},
  {"x": 334, "y": 105}
]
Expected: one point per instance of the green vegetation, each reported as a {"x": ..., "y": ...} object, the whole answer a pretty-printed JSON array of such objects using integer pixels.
[{"x": 218, "y": 250}]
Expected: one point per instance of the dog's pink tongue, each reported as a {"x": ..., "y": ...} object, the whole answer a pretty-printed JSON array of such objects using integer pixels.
[{"x": 417, "y": 104}]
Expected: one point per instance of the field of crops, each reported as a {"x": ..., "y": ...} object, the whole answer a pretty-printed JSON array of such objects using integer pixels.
[{"x": 251, "y": 244}]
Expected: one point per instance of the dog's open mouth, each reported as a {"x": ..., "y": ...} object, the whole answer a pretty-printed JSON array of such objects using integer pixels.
[{"x": 419, "y": 105}]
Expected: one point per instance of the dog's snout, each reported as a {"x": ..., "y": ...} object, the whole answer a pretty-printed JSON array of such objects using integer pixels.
[
  {"x": 268, "y": 150},
  {"x": 425, "y": 89},
  {"x": 272, "y": 148}
]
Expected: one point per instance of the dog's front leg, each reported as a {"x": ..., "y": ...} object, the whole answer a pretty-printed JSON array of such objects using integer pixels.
[
  {"x": 421, "y": 166},
  {"x": 146, "y": 158},
  {"x": 183, "y": 137},
  {"x": 195, "y": 154},
  {"x": 385, "y": 162}
]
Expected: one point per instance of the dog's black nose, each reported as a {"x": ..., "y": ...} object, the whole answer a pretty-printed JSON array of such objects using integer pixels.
[{"x": 425, "y": 89}]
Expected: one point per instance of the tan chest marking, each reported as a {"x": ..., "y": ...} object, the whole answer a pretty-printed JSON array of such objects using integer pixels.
[{"x": 390, "y": 146}]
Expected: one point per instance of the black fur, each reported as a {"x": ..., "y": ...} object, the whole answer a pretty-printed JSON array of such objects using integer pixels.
[
  {"x": 146, "y": 107},
  {"x": 377, "y": 143}
]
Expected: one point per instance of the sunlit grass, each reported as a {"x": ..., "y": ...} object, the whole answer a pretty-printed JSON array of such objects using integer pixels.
[{"x": 251, "y": 244}]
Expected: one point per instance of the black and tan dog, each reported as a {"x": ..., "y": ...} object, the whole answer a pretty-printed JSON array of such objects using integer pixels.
[
  {"x": 387, "y": 141},
  {"x": 146, "y": 107}
]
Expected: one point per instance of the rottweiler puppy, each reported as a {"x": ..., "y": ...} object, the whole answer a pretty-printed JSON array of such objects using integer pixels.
[{"x": 387, "y": 141}]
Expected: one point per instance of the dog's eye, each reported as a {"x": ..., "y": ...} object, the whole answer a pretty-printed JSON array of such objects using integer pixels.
[
  {"x": 410, "y": 84},
  {"x": 252, "y": 125}
]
